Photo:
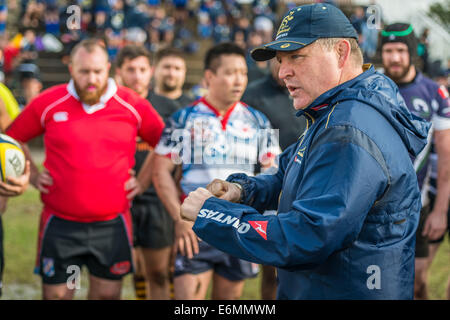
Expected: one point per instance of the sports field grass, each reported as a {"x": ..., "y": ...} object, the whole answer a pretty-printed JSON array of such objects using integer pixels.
[{"x": 20, "y": 224}]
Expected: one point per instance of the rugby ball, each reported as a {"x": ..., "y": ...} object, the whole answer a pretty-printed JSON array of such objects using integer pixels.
[{"x": 12, "y": 158}]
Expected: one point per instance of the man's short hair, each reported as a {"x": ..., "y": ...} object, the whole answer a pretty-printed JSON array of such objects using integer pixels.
[
  {"x": 212, "y": 59},
  {"x": 168, "y": 52},
  {"x": 89, "y": 45},
  {"x": 132, "y": 52},
  {"x": 355, "y": 51}
]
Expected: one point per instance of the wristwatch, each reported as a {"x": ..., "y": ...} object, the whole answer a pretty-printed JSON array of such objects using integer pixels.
[{"x": 242, "y": 191}]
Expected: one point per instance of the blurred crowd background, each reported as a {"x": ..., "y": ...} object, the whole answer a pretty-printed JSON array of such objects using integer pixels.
[{"x": 37, "y": 36}]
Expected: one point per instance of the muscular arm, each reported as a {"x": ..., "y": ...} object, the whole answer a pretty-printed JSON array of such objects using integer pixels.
[
  {"x": 165, "y": 186},
  {"x": 145, "y": 174},
  {"x": 34, "y": 173}
]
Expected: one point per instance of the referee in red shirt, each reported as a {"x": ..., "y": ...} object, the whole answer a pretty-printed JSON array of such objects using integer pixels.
[{"x": 90, "y": 127}]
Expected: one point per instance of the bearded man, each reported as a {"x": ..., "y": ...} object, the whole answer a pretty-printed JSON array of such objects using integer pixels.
[{"x": 90, "y": 127}]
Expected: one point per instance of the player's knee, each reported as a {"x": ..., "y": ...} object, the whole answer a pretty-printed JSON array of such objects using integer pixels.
[
  {"x": 105, "y": 295},
  {"x": 159, "y": 277},
  {"x": 52, "y": 294}
]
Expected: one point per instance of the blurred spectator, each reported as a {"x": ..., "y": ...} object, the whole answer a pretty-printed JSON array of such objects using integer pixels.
[
  {"x": 264, "y": 7},
  {"x": 30, "y": 82},
  {"x": 100, "y": 20},
  {"x": 368, "y": 39},
  {"x": 358, "y": 19},
  {"x": 33, "y": 16},
  {"x": 181, "y": 13},
  {"x": 204, "y": 26},
  {"x": 51, "y": 18},
  {"x": 264, "y": 26},
  {"x": 242, "y": 27},
  {"x": 3, "y": 17},
  {"x": 422, "y": 50},
  {"x": 442, "y": 78},
  {"x": 221, "y": 31},
  {"x": 256, "y": 69},
  {"x": 10, "y": 103}
]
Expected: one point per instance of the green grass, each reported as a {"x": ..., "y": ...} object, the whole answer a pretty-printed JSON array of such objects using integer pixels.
[{"x": 21, "y": 221}]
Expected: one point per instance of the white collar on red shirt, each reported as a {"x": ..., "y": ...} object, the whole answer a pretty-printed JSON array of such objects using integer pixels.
[{"x": 110, "y": 92}]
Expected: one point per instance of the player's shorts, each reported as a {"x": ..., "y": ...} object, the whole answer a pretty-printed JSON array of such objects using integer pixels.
[
  {"x": 421, "y": 241},
  {"x": 153, "y": 226},
  {"x": 210, "y": 258},
  {"x": 432, "y": 198},
  {"x": 2, "y": 263},
  {"x": 104, "y": 247}
]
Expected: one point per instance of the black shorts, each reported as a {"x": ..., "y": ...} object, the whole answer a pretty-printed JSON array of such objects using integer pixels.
[
  {"x": 103, "y": 246},
  {"x": 153, "y": 227},
  {"x": 2, "y": 263},
  {"x": 421, "y": 241},
  {"x": 210, "y": 258},
  {"x": 432, "y": 199}
]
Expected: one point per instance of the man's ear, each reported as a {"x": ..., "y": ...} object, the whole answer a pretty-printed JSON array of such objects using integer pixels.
[
  {"x": 343, "y": 50},
  {"x": 207, "y": 77},
  {"x": 117, "y": 71}
]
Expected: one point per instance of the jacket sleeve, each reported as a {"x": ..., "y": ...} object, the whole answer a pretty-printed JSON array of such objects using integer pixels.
[
  {"x": 262, "y": 192},
  {"x": 342, "y": 180}
]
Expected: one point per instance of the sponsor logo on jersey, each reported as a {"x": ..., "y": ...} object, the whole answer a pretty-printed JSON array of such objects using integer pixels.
[
  {"x": 48, "y": 266},
  {"x": 60, "y": 116},
  {"x": 120, "y": 268},
  {"x": 242, "y": 227},
  {"x": 260, "y": 227}
]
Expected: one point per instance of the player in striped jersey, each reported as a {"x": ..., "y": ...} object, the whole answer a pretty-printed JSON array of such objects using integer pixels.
[
  {"x": 210, "y": 139},
  {"x": 428, "y": 100}
]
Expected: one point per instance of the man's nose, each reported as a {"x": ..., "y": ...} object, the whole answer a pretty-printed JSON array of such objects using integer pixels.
[
  {"x": 395, "y": 57},
  {"x": 92, "y": 77},
  {"x": 285, "y": 71}
]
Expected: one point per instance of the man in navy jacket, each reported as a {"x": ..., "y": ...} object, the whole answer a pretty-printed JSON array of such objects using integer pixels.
[{"x": 346, "y": 193}]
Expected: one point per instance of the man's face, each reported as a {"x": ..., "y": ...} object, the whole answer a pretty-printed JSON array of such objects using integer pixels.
[
  {"x": 308, "y": 72},
  {"x": 89, "y": 71},
  {"x": 396, "y": 60},
  {"x": 229, "y": 81},
  {"x": 136, "y": 74},
  {"x": 170, "y": 73}
]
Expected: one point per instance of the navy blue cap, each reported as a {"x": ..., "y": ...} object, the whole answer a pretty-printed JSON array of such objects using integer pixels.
[{"x": 305, "y": 24}]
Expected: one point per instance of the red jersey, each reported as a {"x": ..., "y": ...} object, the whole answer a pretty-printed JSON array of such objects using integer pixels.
[{"x": 88, "y": 149}]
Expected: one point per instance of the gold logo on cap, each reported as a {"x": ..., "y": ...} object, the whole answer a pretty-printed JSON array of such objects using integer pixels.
[
  {"x": 285, "y": 45},
  {"x": 284, "y": 27}
]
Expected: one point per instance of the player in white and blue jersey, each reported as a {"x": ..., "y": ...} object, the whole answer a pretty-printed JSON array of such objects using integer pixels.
[{"x": 210, "y": 139}]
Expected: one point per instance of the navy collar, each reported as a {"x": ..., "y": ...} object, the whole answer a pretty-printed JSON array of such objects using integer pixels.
[{"x": 323, "y": 102}]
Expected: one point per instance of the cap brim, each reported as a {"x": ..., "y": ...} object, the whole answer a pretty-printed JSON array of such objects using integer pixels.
[{"x": 269, "y": 51}]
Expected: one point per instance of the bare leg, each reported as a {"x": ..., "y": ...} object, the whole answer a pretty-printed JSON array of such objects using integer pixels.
[
  {"x": 57, "y": 292},
  {"x": 420, "y": 279},
  {"x": 141, "y": 287},
  {"x": 268, "y": 283},
  {"x": 104, "y": 289},
  {"x": 192, "y": 286},
  {"x": 224, "y": 289},
  {"x": 157, "y": 272}
]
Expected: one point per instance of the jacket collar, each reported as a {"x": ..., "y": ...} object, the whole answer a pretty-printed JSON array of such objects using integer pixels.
[{"x": 327, "y": 99}]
